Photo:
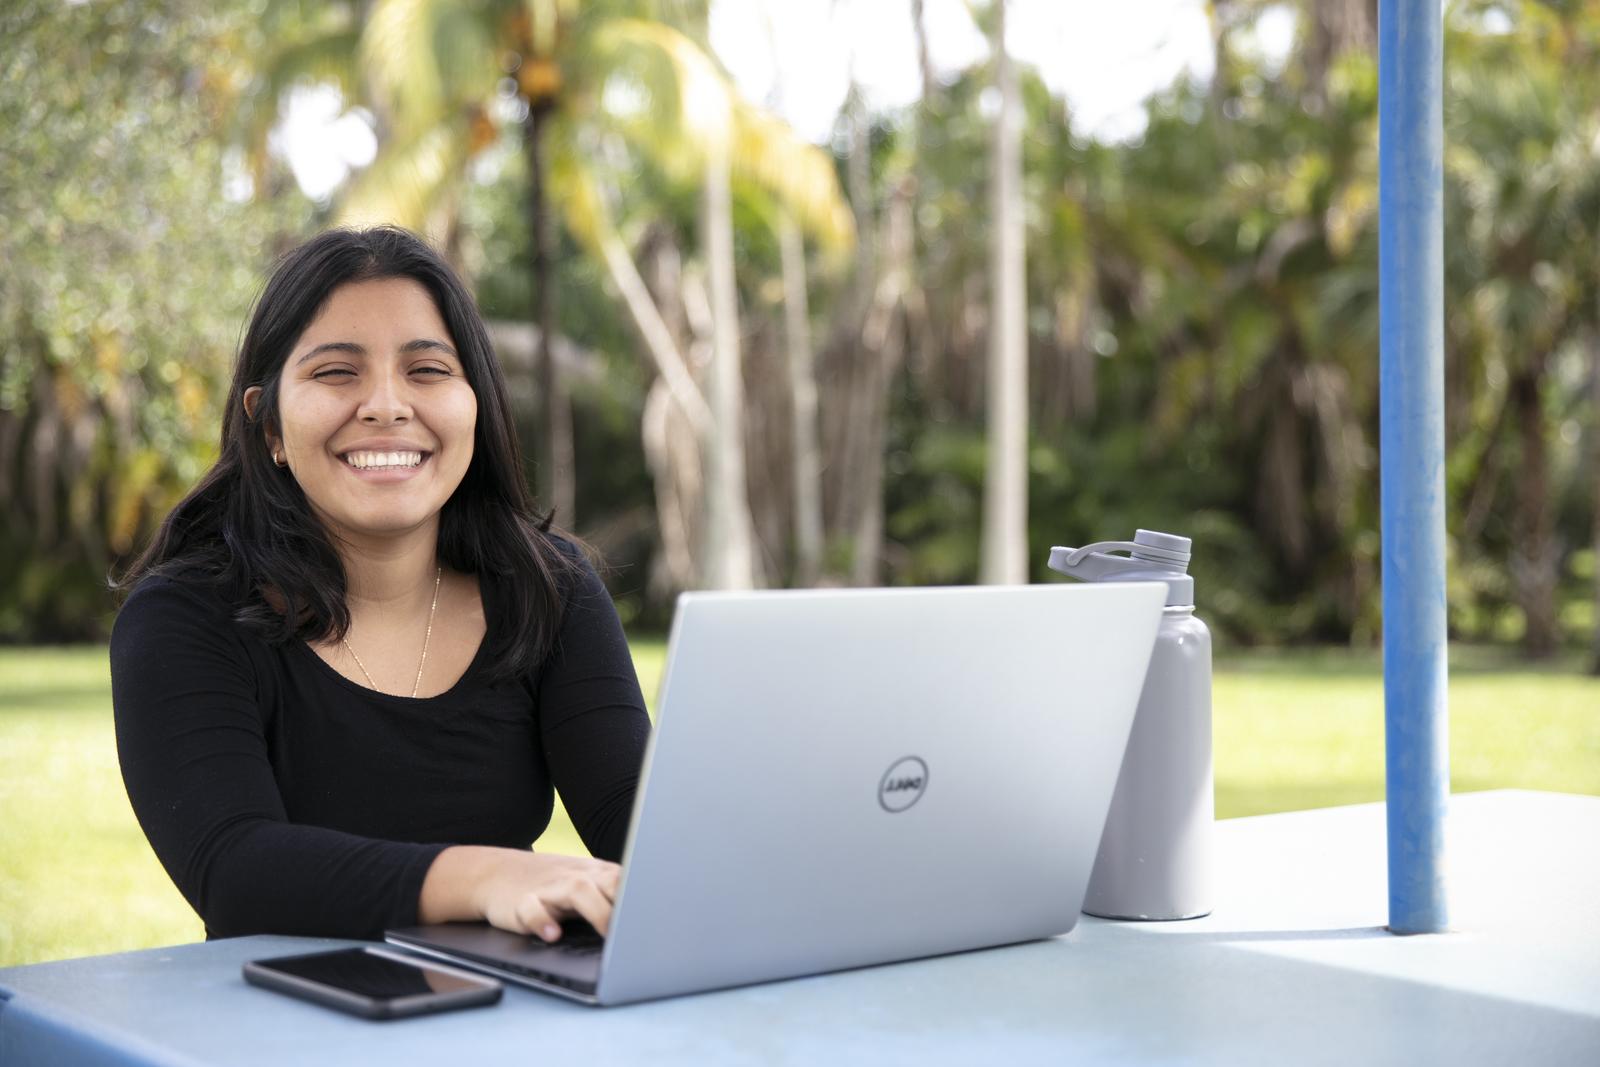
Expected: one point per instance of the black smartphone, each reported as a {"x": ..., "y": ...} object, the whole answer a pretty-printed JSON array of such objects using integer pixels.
[{"x": 373, "y": 983}]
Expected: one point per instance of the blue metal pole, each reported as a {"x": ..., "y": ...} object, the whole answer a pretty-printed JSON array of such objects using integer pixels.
[{"x": 1411, "y": 403}]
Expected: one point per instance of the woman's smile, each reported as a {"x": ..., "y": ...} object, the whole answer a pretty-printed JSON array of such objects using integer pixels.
[
  {"x": 383, "y": 467},
  {"x": 383, "y": 460}
]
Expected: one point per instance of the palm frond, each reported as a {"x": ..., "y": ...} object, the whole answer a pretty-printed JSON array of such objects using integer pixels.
[
  {"x": 674, "y": 70},
  {"x": 706, "y": 113},
  {"x": 406, "y": 181},
  {"x": 767, "y": 152},
  {"x": 466, "y": 54},
  {"x": 397, "y": 54}
]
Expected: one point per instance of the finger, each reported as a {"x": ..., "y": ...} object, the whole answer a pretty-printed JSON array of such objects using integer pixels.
[
  {"x": 535, "y": 918},
  {"x": 586, "y": 899}
]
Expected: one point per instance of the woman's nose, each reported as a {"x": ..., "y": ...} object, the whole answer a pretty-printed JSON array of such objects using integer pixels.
[{"x": 385, "y": 402}]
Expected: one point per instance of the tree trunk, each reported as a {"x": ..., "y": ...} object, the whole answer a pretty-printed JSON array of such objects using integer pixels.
[
  {"x": 1005, "y": 488},
  {"x": 674, "y": 446},
  {"x": 929, "y": 354},
  {"x": 920, "y": 353},
  {"x": 919, "y": 29},
  {"x": 674, "y": 460},
  {"x": 1222, "y": 73},
  {"x": 862, "y": 470},
  {"x": 1283, "y": 511},
  {"x": 677, "y": 459},
  {"x": 883, "y": 345},
  {"x": 850, "y": 384},
  {"x": 1533, "y": 555},
  {"x": 729, "y": 554},
  {"x": 803, "y": 394},
  {"x": 654, "y": 332},
  {"x": 557, "y": 476},
  {"x": 802, "y": 374},
  {"x": 1334, "y": 27},
  {"x": 1594, "y": 485}
]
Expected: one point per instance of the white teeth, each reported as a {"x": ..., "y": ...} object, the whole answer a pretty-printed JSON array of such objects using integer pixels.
[{"x": 381, "y": 460}]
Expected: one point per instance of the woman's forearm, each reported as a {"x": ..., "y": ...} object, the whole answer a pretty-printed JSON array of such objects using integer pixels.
[{"x": 451, "y": 892}]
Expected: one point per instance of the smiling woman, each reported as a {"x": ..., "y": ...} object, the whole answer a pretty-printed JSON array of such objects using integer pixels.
[{"x": 354, "y": 664}]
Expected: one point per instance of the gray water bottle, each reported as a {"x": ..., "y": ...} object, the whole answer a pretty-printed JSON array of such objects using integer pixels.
[{"x": 1155, "y": 855}]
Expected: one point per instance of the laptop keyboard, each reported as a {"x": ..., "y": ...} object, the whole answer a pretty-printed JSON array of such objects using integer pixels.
[{"x": 578, "y": 938}]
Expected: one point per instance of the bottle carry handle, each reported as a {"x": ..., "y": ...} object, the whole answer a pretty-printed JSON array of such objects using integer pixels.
[{"x": 1073, "y": 557}]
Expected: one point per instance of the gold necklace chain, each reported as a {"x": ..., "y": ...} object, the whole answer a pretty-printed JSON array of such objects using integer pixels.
[{"x": 438, "y": 574}]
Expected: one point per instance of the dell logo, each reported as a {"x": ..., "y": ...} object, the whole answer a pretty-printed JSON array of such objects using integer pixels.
[{"x": 903, "y": 784}]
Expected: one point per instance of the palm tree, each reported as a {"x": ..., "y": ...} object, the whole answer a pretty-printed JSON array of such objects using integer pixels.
[
  {"x": 1005, "y": 486},
  {"x": 800, "y": 362},
  {"x": 735, "y": 147},
  {"x": 442, "y": 78}
]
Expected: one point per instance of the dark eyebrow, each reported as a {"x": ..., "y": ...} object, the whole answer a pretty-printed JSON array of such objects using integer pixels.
[
  {"x": 333, "y": 346},
  {"x": 421, "y": 344}
]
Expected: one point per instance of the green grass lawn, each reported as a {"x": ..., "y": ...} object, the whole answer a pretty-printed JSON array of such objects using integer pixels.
[{"x": 1293, "y": 731}]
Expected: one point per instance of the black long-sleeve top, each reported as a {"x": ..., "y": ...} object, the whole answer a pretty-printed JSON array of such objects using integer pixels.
[{"x": 284, "y": 798}]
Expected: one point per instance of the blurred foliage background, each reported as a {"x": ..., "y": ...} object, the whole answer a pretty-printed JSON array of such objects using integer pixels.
[{"x": 740, "y": 358}]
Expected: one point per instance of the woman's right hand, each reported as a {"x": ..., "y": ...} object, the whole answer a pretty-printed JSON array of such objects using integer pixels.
[
  {"x": 531, "y": 892},
  {"x": 521, "y": 891}
]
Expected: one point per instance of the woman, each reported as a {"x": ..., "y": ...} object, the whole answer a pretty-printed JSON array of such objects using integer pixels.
[{"x": 353, "y": 663}]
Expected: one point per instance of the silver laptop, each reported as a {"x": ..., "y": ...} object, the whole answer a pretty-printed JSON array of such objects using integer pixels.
[{"x": 853, "y": 777}]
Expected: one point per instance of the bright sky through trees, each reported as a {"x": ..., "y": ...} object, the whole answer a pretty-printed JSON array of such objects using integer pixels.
[
  {"x": 321, "y": 140},
  {"x": 1105, "y": 59}
]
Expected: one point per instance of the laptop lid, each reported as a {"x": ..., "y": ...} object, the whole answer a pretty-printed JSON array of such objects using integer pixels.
[{"x": 850, "y": 777}]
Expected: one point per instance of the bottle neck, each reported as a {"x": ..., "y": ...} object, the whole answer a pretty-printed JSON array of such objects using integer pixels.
[{"x": 1177, "y": 610}]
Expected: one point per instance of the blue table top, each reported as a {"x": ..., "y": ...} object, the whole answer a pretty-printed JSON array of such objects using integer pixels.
[{"x": 1293, "y": 966}]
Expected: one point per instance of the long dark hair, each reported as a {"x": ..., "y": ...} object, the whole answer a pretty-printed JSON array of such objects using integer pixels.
[{"x": 248, "y": 530}]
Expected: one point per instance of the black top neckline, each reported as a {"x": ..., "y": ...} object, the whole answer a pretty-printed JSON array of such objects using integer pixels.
[{"x": 460, "y": 683}]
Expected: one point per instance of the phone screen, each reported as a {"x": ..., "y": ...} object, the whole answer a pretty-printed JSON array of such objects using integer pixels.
[{"x": 369, "y": 975}]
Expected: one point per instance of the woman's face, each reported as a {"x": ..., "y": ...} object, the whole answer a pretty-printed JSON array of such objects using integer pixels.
[{"x": 376, "y": 412}]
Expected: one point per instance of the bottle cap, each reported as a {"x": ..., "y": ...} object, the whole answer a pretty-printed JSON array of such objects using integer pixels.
[{"x": 1152, "y": 556}]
